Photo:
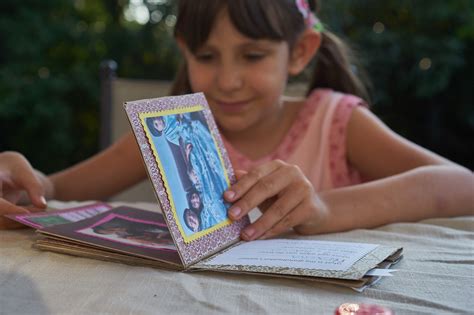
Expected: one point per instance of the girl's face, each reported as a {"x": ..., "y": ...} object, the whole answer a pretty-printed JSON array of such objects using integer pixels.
[
  {"x": 243, "y": 78},
  {"x": 194, "y": 179},
  {"x": 195, "y": 201},
  {"x": 193, "y": 222},
  {"x": 159, "y": 124}
]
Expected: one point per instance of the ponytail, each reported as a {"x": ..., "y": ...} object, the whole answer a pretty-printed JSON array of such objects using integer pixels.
[{"x": 337, "y": 69}]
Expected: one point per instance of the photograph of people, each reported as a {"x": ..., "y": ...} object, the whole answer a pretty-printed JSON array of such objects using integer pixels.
[
  {"x": 191, "y": 219},
  {"x": 202, "y": 178},
  {"x": 128, "y": 231}
]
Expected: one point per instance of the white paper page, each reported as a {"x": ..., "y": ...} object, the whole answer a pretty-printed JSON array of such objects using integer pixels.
[
  {"x": 79, "y": 215},
  {"x": 380, "y": 272},
  {"x": 306, "y": 254}
]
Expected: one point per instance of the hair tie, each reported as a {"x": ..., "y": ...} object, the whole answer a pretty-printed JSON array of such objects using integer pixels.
[{"x": 309, "y": 17}]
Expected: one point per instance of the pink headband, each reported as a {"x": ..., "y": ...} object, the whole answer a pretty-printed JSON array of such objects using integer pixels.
[{"x": 309, "y": 17}]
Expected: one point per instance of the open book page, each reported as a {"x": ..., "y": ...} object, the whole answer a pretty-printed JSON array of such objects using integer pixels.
[
  {"x": 40, "y": 220},
  {"x": 123, "y": 230},
  {"x": 301, "y": 257},
  {"x": 304, "y": 254}
]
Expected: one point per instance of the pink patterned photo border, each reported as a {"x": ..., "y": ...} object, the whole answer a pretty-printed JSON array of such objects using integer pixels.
[
  {"x": 208, "y": 244},
  {"x": 129, "y": 219}
]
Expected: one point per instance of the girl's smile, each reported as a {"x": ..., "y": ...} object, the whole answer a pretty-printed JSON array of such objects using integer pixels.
[{"x": 233, "y": 107}]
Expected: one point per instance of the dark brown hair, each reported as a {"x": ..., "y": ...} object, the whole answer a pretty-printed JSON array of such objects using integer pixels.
[{"x": 268, "y": 19}]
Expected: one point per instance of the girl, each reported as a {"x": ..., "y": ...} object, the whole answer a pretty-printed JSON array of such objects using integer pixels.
[
  {"x": 208, "y": 216},
  {"x": 191, "y": 219},
  {"x": 318, "y": 165}
]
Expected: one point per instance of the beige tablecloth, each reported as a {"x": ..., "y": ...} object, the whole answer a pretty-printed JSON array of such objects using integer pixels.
[{"x": 436, "y": 276}]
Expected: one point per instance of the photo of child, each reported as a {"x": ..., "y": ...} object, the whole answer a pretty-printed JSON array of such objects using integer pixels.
[
  {"x": 187, "y": 148},
  {"x": 127, "y": 230},
  {"x": 192, "y": 221}
]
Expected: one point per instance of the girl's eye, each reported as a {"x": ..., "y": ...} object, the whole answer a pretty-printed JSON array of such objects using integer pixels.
[
  {"x": 252, "y": 57},
  {"x": 204, "y": 57}
]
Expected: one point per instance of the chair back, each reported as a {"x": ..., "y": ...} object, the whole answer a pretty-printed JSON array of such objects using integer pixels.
[{"x": 114, "y": 122}]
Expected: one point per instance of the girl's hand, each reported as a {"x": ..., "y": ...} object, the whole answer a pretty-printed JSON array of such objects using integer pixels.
[
  {"x": 20, "y": 183},
  {"x": 286, "y": 197}
]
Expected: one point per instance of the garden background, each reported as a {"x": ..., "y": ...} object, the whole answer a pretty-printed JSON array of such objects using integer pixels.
[{"x": 419, "y": 55}]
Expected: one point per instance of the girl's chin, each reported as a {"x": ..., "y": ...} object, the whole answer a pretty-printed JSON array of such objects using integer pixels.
[
  {"x": 235, "y": 123},
  {"x": 228, "y": 126}
]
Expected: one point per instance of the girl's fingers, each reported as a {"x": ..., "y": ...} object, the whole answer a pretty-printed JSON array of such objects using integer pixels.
[
  {"x": 240, "y": 173},
  {"x": 293, "y": 218},
  {"x": 28, "y": 180},
  {"x": 277, "y": 213},
  {"x": 266, "y": 187},
  {"x": 33, "y": 209},
  {"x": 19, "y": 175},
  {"x": 248, "y": 180},
  {"x": 267, "y": 204},
  {"x": 8, "y": 190},
  {"x": 8, "y": 208},
  {"x": 6, "y": 184}
]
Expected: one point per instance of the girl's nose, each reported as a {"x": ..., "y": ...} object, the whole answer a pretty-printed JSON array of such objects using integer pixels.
[{"x": 229, "y": 78}]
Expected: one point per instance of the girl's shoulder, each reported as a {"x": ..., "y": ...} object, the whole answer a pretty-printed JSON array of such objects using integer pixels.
[
  {"x": 330, "y": 98},
  {"x": 324, "y": 112},
  {"x": 329, "y": 124},
  {"x": 328, "y": 108}
]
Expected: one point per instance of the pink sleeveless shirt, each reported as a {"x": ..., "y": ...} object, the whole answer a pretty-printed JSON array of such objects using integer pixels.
[{"x": 316, "y": 142}]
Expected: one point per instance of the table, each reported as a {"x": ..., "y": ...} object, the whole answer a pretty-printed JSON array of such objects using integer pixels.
[{"x": 436, "y": 276}]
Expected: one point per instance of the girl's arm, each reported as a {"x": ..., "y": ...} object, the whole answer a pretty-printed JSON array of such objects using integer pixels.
[
  {"x": 102, "y": 175},
  {"x": 424, "y": 192},
  {"x": 97, "y": 178},
  {"x": 407, "y": 183}
]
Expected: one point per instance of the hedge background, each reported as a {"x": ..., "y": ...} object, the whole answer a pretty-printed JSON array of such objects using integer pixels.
[{"x": 419, "y": 54}]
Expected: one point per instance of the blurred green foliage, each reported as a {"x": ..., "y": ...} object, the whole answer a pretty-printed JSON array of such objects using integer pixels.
[
  {"x": 49, "y": 72},
  {"x": 420, "y": 57},
  {"x": 419, "y": 54}
]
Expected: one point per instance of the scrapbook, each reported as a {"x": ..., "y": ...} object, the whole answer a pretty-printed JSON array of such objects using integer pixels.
[
  {"x": 141, "y": 237},
  {"x": 189, "y": 169}
]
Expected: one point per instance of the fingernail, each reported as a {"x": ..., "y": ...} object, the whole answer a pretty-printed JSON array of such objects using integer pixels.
[
  {"x": 229, "y": 194},
  {"x": 249, "y": 232},
  {"x": 43, "y": 201},
  {"x": 235, "y": 211}
]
